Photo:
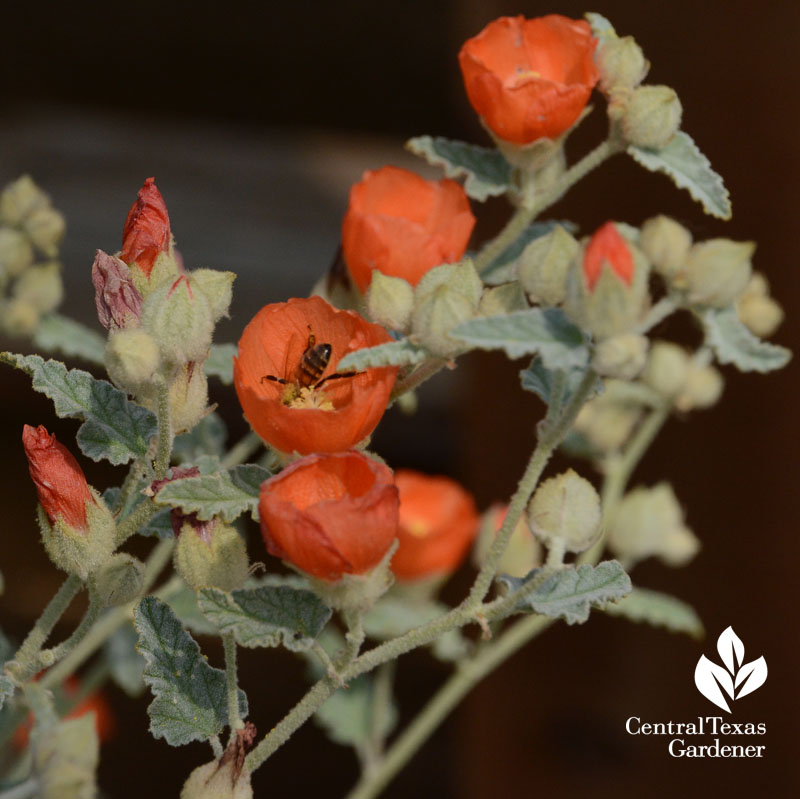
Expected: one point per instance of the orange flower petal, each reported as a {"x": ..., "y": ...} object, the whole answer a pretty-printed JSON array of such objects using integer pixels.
[{"x": 607, "y": 246}]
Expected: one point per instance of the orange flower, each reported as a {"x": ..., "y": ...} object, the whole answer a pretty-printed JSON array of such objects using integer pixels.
[
  {"x": 277, "y": 377},
  {"x": 59, "y": 480},
  {"x": 146, "y": 232},
  {"x": 438, "y": 521},
  {"x": 330, "y": 515},
  {"x": 403, "y": 225},
  {"x": 530, "y": 78},
  {"x": 607, "y": 246}
]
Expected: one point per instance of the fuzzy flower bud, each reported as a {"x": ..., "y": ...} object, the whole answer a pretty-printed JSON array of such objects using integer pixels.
[
  {"x": 118, "y": 301},
  {"x": 16, "y": 253},
  {"x": 119, "y": 580},
  {"x": 622, "y": 356},
  {"x": 147, "y": 232},
  {"x": 46, "y": 227},
  {"x": 702, "y": 389},
  {"x": 210, "y": 554},
  {"x": 666, "y": 243},
  {"x": 188, "y": 397},
  {"x": 523, "y": 553},
  {"x": 666, "y": 369},
  {"x": 544, "y": 264},
  {"x": 217, "y": 286},
  {"x": 41, "y": 286},
  {"x": 390, "y": 301},
  {"x": 607, "y": 421},
  {"x": 566, "y": 509},
  {"x": 18, "y": 318},
  {"x": 759, "y": 312},
  {"x": 131, "y": 358},
  {"x": 620, "y": 62},
  {"x": 19, "y": 199},
  {"x": 718, "y": 270},
  {"x": 217, "y": 780},
  {"x": 652, "y": 117}
]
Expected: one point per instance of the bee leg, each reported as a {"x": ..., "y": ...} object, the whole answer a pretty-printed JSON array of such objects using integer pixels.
[
  {"x": 275, "y": 379},
  {"x": 336, "y": 376}
]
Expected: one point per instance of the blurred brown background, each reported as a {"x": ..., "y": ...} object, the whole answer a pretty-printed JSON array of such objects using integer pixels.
[{"x": 255, "y": 119}]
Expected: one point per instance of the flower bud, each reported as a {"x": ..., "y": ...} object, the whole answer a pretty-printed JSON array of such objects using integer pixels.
[
  {"x": 46, "y": 227},
  {"x": 119, "y": 580},
  {"x": 216, "y": 780},
  {"x": 460, "y": 277},
  {"x": 131, "y": 358},
  {"x": 543, "y": 266},
  {"x": 620, "y": 62},
  {"x": 390, "y": 301},
  {"x": 41, "y": 286},
  {"x": 210, "y": 554},
  {"x": 19, "y": 199},
  {"x": 500, "y": 300},
  {"x": 188, "y": 397},
  {"x": 718, "y": 270},
  {"x": 436, "y": 315},
  {"x": 523, "y": 553},
  {"x": 666, "y": 369},
  {"x": 652, "y": 117},
  {"x": 16, "y": 253},
  {"x": 147, "y": 232},
  {"x": 702, "y": 389},
  {"x": 179, "y": 318},
  {"x": 649, "y": 522},
  {"x": 622, "y": 357},
  {"x": 566, "y": 509},
  {"x": 607, "y": 421},
  {"x": 607, "y": 285},
  {"x": 218, "y": 289},
  {"x": 759, "y": 312},
  {"x": 666, "y": 243},
  {"x": 18, "y": 318},
  {"x": 118, "y": 301}
]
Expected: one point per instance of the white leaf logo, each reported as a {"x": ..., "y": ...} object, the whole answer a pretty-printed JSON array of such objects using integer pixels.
[{"x": 736, "y": 679}]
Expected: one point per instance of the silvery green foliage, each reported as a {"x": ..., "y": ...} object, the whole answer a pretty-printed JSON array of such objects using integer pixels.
[
  {"x": 207, "y": 437},
  {"x": 689, "y": 169},
  {"x": 6, "y": 689},
  {"x": 733, "y": 343},
  {"x": 190, "y": 696},
  {"x": 267, "y": 615},
  {"x": 113, "y": 428},
  {"x": 570, "y": 593},
  {"x": 658, "y": 610},
  {"x": 393, "y": 353},
  {"x": 220, "y": 362},
  {"x": 226, "y": 494},
  {"x": 124, "y": 661},
  {"x": 485, "y": 171},
  {"x": 554, "y": 386},
  {"x": 183, "y": 603},
  {"x": 538, "y": 331},
  {"x": 58, "y": 333}
]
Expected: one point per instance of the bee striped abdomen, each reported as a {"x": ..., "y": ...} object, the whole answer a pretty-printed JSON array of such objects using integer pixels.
[{"x": 312, "y": 365}]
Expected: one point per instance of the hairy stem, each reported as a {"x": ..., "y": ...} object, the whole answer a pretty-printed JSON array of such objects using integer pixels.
[
  {"x": 65, "y": 647},
  {"x": 229, "y": 644},
  {"x": 423, "y": 372},
  {"x": 164, "y": 450},
  {"x": 249, "y": 444}
]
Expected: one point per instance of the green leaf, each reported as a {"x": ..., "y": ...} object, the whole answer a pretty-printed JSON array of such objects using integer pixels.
[
  {"x": 58, "y": 333},
  {"x": 570, "y": 593},
  {"x": 190, "y": 696},
  {"x": 393, "y": 353},
  {"x": 227, "y": 494},
  {"x": 538, "y": 331},
  {"x": 220, "y": 362},
  {"x": 347, "y": 716},
  {"x": 207, "y": 437},
  {"x": 486, "y": 172},
  {"x": 689, "y": 169},
  {"x": 660, "y": 610},
  {"x": 554, "y": 386},
  {"x": 6, "y": 689},
  {"x": 505, "y": 268},
  {"x": 113, "y": 428},
  {"x": 184, "y": 605},
  {"x": 125, "y": 663},
  {"x": 733, "y": 343},
  {"x": 158, "y": 525},
  {"x": 270, "y": 615}
]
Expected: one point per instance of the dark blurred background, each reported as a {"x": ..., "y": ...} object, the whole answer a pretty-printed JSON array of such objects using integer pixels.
[{"x": 255, "y": 119}]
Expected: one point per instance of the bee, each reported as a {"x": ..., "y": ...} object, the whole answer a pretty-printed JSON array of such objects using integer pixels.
[{"x": 309, "y": 370}]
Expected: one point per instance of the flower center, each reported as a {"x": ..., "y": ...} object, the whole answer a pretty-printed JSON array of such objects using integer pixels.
[
  {"x": 310, "y": 397},
  {"x": 419, "y": 528}
]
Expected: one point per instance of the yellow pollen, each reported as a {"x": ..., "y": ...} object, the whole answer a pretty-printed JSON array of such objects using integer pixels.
[
  {"x": 524, "y": 74},
  {"x": 308, "y": 398},
  {"x": 418, "y": 528}
]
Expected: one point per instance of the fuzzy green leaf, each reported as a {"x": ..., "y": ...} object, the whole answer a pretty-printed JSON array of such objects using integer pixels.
[
  {"x": 393, "y": 353},
  {"x": 689, "y": 169},
  {"x": 220, "y": 362},
  {"x": 270, "y": 615},
  {"x": 545, "y": 383},
  {"x": 61, "y": 334},
  {"x": 184, "y": 605},
  {"x": 570, "y": 593},
  {"x": 733, "y": 343},
  {"x": 227, "y": 494},
  {"x": 113, "y": 428},
  {"x": 190, "y": 696},
  {"x": 545, "y": 332},
  {"x": 207, "y": 437},
  {"x": 486, "y": 173},
  {"x": 659, "y": 610},
  {"x": 6, "y": 689},
  {"x": 125, "y": 663}
]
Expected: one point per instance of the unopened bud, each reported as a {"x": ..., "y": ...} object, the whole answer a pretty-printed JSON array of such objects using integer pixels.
[
  {"x": 210, "y": 554},
  {"x": 16, "y": 253},
  {"x": 218, "y": 289},
  {"x": 649, "y": 522},
  {"x": 41, "y": 286},
  {"x": 500, "y": 300},
  {"x": 760, "y": 313},
  {"x": 703, "y": 388},
  {"x": 607, "y": 421},
  {"x": 390, "y": 301},
  {"x": 18, "y": 318},
  {"x": 622, "y": 356},
  {"x": 19, "y": 199},
  {"x": 666, "y": 369},
  {"x": 666, "y": 243},
  {"x": 46, "y": 227},
  {"x": 188, "y": 397},
  {"x": 131, "y": 358},
  {"x": 118, "y": 301},
  {"x": 523, "y": 553},
  {"x": 621, "y": 63},
  {"x": 652, "y": 117},
  {"x": 436, "y": 315},
  {"x": 460, "y": 277},
  {"x": 566, "y": 508},
  {"x": 544, "y": 264},
  {"x": 216, "y": 780},
  {"x": 119, "y": 580},
  {"x": 718, "y": 270}
]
